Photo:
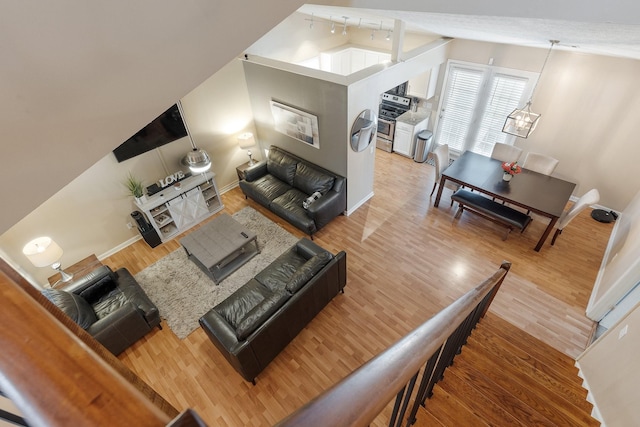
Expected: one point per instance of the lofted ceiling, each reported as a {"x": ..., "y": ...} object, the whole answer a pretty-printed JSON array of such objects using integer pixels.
[
  {"x": 77, "y": 76},
  {"x": 592, "y": 37}
]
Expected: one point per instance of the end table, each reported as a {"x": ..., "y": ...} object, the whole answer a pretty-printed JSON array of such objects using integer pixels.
[
  {"x": 78, "y": 269},
  {"x": 240, "y": 170}
]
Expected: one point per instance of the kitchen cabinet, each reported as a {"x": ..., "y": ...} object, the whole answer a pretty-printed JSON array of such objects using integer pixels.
[
  {"x": 402, "y": 139},
  {"x": 408, "y": 126},
  {"x": 424, "y": 84}
]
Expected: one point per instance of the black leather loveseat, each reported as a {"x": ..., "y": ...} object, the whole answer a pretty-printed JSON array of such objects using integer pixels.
[
  {"x": 283, "y": 182},
  {"x": 110, "y": 305},
  {"x": 255, "y": 323}
]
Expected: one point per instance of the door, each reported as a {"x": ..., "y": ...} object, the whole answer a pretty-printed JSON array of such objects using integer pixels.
[{"x": 188, "y": 208}]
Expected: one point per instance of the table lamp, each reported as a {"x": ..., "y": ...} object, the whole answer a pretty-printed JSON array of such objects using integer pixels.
[
  {"x": 247, "y": 141},
  {"x": 42, "y": 252}
]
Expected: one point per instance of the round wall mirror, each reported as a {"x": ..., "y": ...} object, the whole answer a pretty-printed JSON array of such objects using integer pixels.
[{"x": 363, "y": 130}]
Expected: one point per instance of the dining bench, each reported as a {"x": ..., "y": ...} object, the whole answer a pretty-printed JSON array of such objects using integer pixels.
[{"x": 491, "y": 210}]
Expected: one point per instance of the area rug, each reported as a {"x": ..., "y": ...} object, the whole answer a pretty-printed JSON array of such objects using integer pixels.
[{"x": 183, "y": 293}]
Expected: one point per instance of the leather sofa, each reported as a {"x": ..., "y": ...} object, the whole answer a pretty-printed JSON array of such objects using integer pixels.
[
  {"x": 108, "y": 304},
  {"x": 255, "y": 323},
  {"x": 284, "y": 181}
]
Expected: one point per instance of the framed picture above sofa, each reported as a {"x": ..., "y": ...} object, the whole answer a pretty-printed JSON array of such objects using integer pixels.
[{"x": 295, "y": 123}]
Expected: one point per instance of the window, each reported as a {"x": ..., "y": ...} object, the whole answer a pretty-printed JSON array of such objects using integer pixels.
[{"x": 475, "y": 103}]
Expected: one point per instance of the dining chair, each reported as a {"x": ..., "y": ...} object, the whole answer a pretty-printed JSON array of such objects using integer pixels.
[
  {"x": 505, "y": 152},
  {"x": 540, "y": 163},
  {"x": 589, "y": 198},
  {"x": 441, "y": 159}
]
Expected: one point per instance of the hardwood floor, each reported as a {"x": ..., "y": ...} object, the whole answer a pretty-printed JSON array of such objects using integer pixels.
[
  {"x": 406, "y": 261},
  {"x": 494, "y": 382}
]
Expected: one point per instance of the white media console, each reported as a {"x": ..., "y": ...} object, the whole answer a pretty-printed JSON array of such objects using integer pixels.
[{"x": 178, "y": 207}]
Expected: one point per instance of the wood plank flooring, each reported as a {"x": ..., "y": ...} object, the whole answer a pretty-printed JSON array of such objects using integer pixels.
[
  {"x": 495, "y": 382},
  {"x": 406, "y": 261}
]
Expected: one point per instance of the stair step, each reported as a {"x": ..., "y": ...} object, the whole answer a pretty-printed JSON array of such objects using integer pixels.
[
  {"x": 486, "y": 399},
  {"x": 530, "y": 357},
  {"x": 538, "y": 349},
  {"x": 529, "y": 397},
  {"x": 506, "y": 377}
]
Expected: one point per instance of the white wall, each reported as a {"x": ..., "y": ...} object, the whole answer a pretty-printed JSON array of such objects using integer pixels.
[
  {"x": 365, "y": 93},
  {"x": 77, "y": 79},
  {"x": 89, "y": 215},
  {"x": 611, "y": 369},
  {"x": 620, "y": 269}
]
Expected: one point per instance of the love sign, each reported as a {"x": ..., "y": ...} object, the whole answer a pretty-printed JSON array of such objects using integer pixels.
[{"x": 171, "y": 179}]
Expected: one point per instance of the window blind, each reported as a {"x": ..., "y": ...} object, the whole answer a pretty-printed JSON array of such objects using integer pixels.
[
  {"x": 457, "y": 112},
  {"x": 476, "y": 101},
  {"x": 504, "y": 97}
]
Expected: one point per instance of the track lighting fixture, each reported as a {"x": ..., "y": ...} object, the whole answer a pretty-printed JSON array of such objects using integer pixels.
[{"x": 374, "y": 26}]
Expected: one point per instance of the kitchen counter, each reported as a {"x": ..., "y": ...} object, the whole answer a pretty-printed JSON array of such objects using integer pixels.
[{"x": 412, "y": 118}]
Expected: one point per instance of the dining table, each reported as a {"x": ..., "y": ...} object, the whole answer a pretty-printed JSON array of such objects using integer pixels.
[{"x": 542, "y": 194}]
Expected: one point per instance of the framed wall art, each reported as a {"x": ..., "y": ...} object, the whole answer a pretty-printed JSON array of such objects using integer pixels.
[{"x": 296, "y": 123}]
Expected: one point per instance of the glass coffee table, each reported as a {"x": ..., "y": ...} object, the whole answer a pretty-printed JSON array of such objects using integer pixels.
[{"x": 220, "y": 246}]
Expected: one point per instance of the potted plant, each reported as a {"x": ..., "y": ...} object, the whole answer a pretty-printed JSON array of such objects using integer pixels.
[{"x": 135, "y": 187}]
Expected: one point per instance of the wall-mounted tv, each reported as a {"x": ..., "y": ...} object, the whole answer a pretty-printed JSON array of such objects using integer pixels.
[{"x": 164, "y": 129}]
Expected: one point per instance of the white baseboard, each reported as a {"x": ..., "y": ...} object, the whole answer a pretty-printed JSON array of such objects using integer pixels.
[
  {"x": 595, "y": 413},
  {"x": 360, "y": 203},
  {"x": 119, "y": 247}
]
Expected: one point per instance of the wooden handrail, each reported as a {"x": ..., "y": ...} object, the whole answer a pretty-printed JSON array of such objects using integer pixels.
[
  {"x": 55, "y": 378},
  {"x": 362, "y": 395}
]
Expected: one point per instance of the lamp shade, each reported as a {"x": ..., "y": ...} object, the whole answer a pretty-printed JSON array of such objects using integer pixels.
[
  {"x": 198, "y": 161},
  {"x": 246, "y": 140},
  {"x": 42, "y": 252}
]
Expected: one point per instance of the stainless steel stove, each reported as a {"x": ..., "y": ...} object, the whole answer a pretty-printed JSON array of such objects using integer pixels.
[{"x": 391, "y": 106}]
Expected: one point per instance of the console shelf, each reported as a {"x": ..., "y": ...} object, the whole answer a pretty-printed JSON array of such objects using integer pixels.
[{"x": 172, "y": 211}]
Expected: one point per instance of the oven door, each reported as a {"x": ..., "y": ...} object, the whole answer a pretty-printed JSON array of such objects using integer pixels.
[{"x": 386, "y": 129}]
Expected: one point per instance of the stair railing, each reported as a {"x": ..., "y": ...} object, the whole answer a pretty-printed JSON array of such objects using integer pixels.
[{"x": 429, "y": 349}]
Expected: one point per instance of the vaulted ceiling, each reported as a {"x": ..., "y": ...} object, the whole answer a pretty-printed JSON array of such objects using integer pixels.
[{"x": 80, "y": 77}]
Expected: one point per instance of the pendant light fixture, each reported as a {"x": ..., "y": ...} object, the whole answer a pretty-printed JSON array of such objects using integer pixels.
[
  {"x": 197, "y": 159},
  {"x": 522, "y": 121}
]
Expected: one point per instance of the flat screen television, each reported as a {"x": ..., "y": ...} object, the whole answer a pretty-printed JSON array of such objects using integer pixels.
[{"x": 164, "y": 129}]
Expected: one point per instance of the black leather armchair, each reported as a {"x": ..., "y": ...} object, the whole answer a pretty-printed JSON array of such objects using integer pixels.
[{"x": 110, "y": 305}]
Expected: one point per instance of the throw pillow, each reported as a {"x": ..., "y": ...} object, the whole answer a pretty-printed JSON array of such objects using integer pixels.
[
  {"x": 309, "y": 180},
  {"x": 307, "y": 271},
  {"x": 98, "y": 289},
  {"x": 73, "y": 306}
]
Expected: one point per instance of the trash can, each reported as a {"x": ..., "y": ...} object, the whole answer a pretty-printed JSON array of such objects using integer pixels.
[{"x": 423, "y": 146}]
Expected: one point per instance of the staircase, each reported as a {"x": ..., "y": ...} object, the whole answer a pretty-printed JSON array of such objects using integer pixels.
[{"x": 506, "y": 377}]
